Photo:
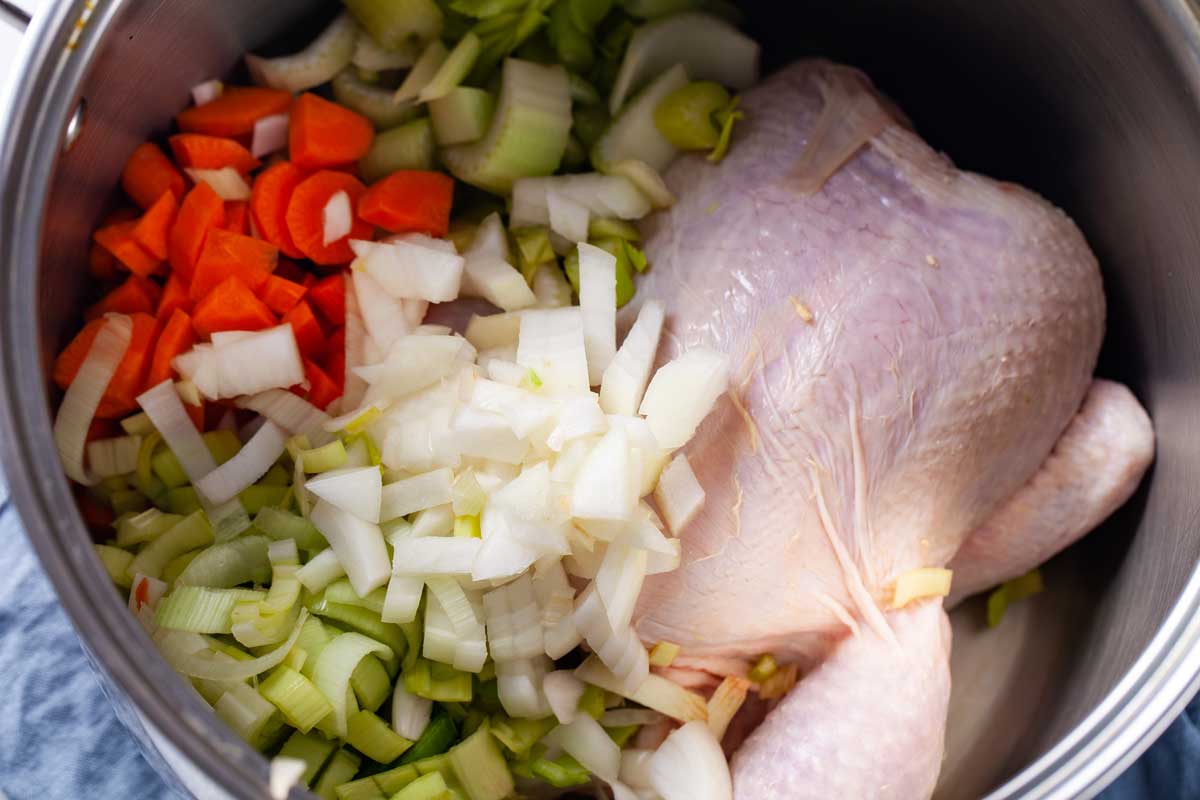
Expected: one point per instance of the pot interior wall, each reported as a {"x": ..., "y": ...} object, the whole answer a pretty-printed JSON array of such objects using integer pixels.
[{"x": 1081, "y": 101}]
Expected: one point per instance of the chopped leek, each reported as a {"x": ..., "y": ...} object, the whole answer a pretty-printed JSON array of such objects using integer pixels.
[
  {"x": 376, "y": 104},
  {"x": 372, "y": 737},
  {"x": 336, "y": 664},
  {"x": 1012, "y": 591},
  {"x": 127, "y": 500},
  {"x": 480, "y": 768},
  {"x": 371, "y": 683},
  {"x": 427, "y": 787},
  {"x": 365, "y": 622},
  {"x": 183, "y": 500},
  {"x": 439, "y": 682},
  {"x": 144, "y": 527},
  {"x": 633, "y": 134},
  {"x": 325, "y": 458},
  {"x": 439, "y": 734},
  {"x": 453, "y": 70},
  {"x": 250, "y": 716},
  {"x": 341, "y": 768},
  {"x": 228, "y": 564},
  {"x": 279, "y": 525},
  {"x": 408, "y": 146},
  {"x": 201, "y": 609},
  {"x": 520, "y": 735},
  {"x": 342, "y": 593},
  {"x": 394, "y": 23},
  {"x": 428, "y": 65},
  {"x": 663, "y": 653},
  {"x": 312, "y": 66},
  {"x": 191, "y": 532},
  {"x": 764, "y": 668},
  {"x": 563, "y": 772},
  {"x": 461, "y": 116},
  {"x": 394, "y": 780},
  {"x": 300, "y": 702},
  {"x": 116, "y": 563},
  {"x": 312, "y": 749}
]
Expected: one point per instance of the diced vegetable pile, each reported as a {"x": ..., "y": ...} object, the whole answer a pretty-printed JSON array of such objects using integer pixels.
[{"x": 402, "y": 559}]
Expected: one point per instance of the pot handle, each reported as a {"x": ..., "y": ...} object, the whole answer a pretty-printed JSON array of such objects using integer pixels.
[{"x": 13, "y": 15}]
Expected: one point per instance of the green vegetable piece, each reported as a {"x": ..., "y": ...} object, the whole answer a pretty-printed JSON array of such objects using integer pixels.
[
  {"x": 589, "y": 124},
  {"x": 562, "y": 773},
  {"x": 467, "y": 527},
  {"x": 145, "y": 479},
  {"x": 726, "y": 117},
  {"x": 325, "y": 458},
  {"x": 310, "y": 748},
  {"x": 572, "y": 44},
  {"x": 371, "y": 684},
  {"x": 520, "y": 735},
  {"x": 764, "y": 668},
  {"x": 622, "y": 251},
  {"x": 223, "y": 444},
  {"x": 183, "y": 500},
  {"x": 407, "y": 146},
  {"x": 427, "y": 787},
  {"x": 200, "y": 609},
  {"x": 297, "y": 698},
  {"x": 128, "y": 500},
  {"x": 361, "y": 789},
  {"x": 393, "y": 23},
  {"x": 135, "y": 529},
  {"x": 454, "y": 69},
  {"x": 338, "y": 771},
  {"x": 166, "y": 468},
  {"x": 1010, "y": 592},
  {"x": 687, "y": 116},
  {"x": 373, "y": 102},
  {"x": 372, "y": 737},
  {"x": 116, "y": 563},
  {"x": 582, "y": 92},
  {"x": 176, "y": 566},
  {"x": 191, "y": 532},
  {"x": 592, "y": 701},
  {"x": 621, "y": 734},
  {"x": 461, "y": 116},
  {"x": 314, "y": 636},
  {"x": 257, "y": 497},
  {"x": 606, "y": 228},
  {"x": 342, "y": 593},
  {"x": 439, "y": 734},
  {"x": 480, "y": 768},
  {"x": 533, "y": 248},
  {"x": 363, "y": 621},
  {"x": 276, "y": 476},
  {"x": 575, "y": 156},
  {"x": 278, "y": 525},
  {"x": 394, "y": 780}
]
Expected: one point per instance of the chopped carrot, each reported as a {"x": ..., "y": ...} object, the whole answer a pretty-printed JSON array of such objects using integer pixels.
[
  {"x": 129, "y": 380},
  {"x": 310, "y": 337},
  {"x": 71, "y": 358},
  {"x": 334, "y": 360},
  {"x": 201, "y": 211},
  {"x": 409, "y": 201},
  {"x": 322, "y": 389},
  {"x": 237, "y": 217},
  {"x": 96, "y": 515},
  {"x": 290, "y": 272},
  {"x": 324, "y": 134},
  {"x": 231, "y": 306},
  {"x": 196, "y": 413},
  {"x": 234, "y": 112},
  {"x": 226, "y": 254},
  {"x": 281, "y": 295},
  {"x": 177, "y": 337},
  {"x": 306, "y": 216},
  {"x": 118, "y": 240},
  {"x": 174, "y": 296},
  {"x": 197, "y": 151},
  {"x": 136, "y": 294},
  {"x": 152, "y": 229},
  {"x": 329, "y": 296},
  {"x": 148, "y": 173},
  {"x": 102, "y": 264},
  {"x": 269, "y": 203}
]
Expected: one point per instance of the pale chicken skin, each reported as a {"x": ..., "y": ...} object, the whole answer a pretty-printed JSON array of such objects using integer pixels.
[{"x": 910, "y": 342}]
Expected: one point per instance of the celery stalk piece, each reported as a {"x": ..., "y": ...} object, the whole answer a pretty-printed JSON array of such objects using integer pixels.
[
  {"x": 340, "y": 769},
  {"x": 368, "y": 623},
  {"x": 427, "y": 787},
  {"x": 1012, "y": 591},
  {"x": 280, "y": 525},
  {"x": 520, "y": 735},
  {"x": 394, "y": 23},
  {"x": 200, "y": 609},
  {"x": 144, "y": 527},
  {"x": 167, "y": 469},
  {"x": 633, "y": 133},
  {"x": 225, "y": 565},
  {"x": 453, "y": 70},
  {"x": 480, "y": 768},
  {"x": 461, "y": 116},
  {"x": 529, "y": 129},
  {"x": 372, "y": 737},
  {"x": 327, "y": 55},
  {"x": 222, "y": 444},
  {"x": 371, "y": 684},
  {"x": 342, "y": 592},
  {"x": 256, "y": 497},
  {"x": 427, "y": 67},
  {"x": 371, "y": 56},
  {"x": 709, "y": 47},
  {"x": 191, "y": 532},
  {"x": 249, "y": 714},
  {"x": 360, "y": 789},
  {"x": 312, "y": 749},
  {"x": 182, "y": 500},
  {"x": 313, "y": 638},
  {"x": 116, "y": 563},
  {"x": 408, "y": 146},
  {"x": 561, "y": 773},
  {"x": 300, "y": 702},
  {"x": 374, "y": 103},
  {"x": 334, "y": 667},
  {"x": 393, "y": 780},
  {"x": 127, "y": 500},
  {"x": 325, "y": 458},
  {"x": 439, "y": 734}
]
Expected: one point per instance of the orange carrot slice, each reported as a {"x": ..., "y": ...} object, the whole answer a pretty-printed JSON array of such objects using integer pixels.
[
  {"x": 310, "y": 337},
  {"x": 306, "y": 216},
  {"x": 324, "y": 134},
  {"x": 174, "y": 296},
  {"x": 227, "y": 254},
  {"x": 281, "y": 295},
  {"x": 197, "y": 151},
  {"x": 201, "y": 211},
  {"x": 322, "y": 389},
  {"x": 409, "y": 201},
  {"x": 176, "y": 337},
  {"x": 237, "y": 217},
  {"x": 152, "y": 230},
  {"x": 234, "y": 112},
  {"x": 269, "y": 202},
  {"x": 231, "y": 306},
  {"x": 135, "y": 295},
  {"x": 148, "y": 173},
  {"x": 118, "y": 240},
  {"x": 329, "y": 296}
]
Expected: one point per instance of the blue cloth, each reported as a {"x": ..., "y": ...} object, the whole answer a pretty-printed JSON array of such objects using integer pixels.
[{"x": 60, "y": 739}]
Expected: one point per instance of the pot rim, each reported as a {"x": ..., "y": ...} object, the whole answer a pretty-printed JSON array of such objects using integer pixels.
[{"x": 1132, "y": 715}]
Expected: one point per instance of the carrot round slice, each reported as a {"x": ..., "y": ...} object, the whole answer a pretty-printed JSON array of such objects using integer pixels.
[
  {"x": 152, "y": 230},
  {"x": 231, "y": 307},
  {"x": 177, "y": 337},
  {"x": 201, "y": 211},
  {"x": 136, "y": 294},
  {"x": 225, "y": 254},
  {"x": 410, "y": 201},
  {"x": 198, "y": 151},
  {"x": 148, "y": 173},
  {"x": 269, "y": 202},
  {"x": 324, "y": 134},
  {"x": 234, "y": 112},
  {"x": 306, "y": 216}
]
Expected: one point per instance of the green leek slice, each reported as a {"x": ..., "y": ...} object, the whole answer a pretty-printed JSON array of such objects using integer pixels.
[
  {"x": 453, "y": 70},
  {"x": 372, "y": 737},
  {"x": 439, "y": 734},
  {"x": 310, "y": 748},
  {"x": 144, "y": 527},
  {"x": 201, "y": 609},
  {"x": 280, "y": 525},
  {"x": 480, "y": 768},
  {"x": 371, "y": 684},
  {"x": 298, "y": 700},
  {"x": 116, "y": 563},
  {"x": 229, "y": 564},
  {"x": 461, "y": 116},
  {"x": 191, "y": 532},
  {"x": 374, "y": 103},
  {"x": 327, "y": 55},
  {"x": 408, "y": 146},
  {"x": 340, "y": 769},
  {"x": 393, "y": 24}
]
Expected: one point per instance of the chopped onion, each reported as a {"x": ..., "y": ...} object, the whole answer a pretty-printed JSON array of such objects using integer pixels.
[
  {"x": 337, "y": 219},
  {"x": 356, "y": 491},
  {"x": 284, "y": 774},
  {"x": 551, "y": 288},
  {"x": 602, "y": 489},
  {"x": 627, "y": 374},
  {"x": 682, "y": 393},
  {"x": 635, "y": 767},
  {"x": 563, "y": 690},
  {"x": 619, "y": 717},
  {"x": 725, "y": 702},
  {"x": 646, "y": 179},
  {"x": 483, "y": 434},
  {"x": 654, "y": 692},
  {"x": 551, "y": 344},
  {"x": 468, "y": 647},
  {"x": 251, "y": 463},
  {"x": 227, "y": 182},
  {"x": 436, "y": 521},
  {"x": 619, "y": 649},
  {"x": 165, "y": 409},
  {"x": 416, "y": 362},
  {"x": 403, "y": 598},
  {"x": 293, "y": 414},
  {"x": 579, "y": 416},
  {"x": 249, "y": 365},
  {"x": 417, "y": 494},
  {"x": 557, "y": 601},
  {"x": 493, "y": 330},
  {"x": 598, "y": 307},
  {"x": 619, "y": 581},
  {"x": 410, "y": 268},
  {"x": 270, "y": 136},
  {"x": 358, "y": 544},
  {"x": 612, "y": 196},
  {"x": 520, "y": 687},
  {"x": 207, "y": 92},
  {"x": 356, "y": 340},
  {"x": 320, "y": 571},
  {"x": 678, "y": 494},
  {"x": 435, "y": 555},
  {"x": 382, "y": 314},
  {"x": 83, "y": 396},
  {"x": 509, "y": 373},
  {"x": 489, "y": 274},
  {"x": 567, "y": 218},
  {"x": 514, "y": 628},
  {"x": 590, "y": 745},
  {"x": 410, "y": 714},
  {"x": 524, "y": 411},
  {"x": 108, "y": 458},
  {"x": 690, "y": 765}
]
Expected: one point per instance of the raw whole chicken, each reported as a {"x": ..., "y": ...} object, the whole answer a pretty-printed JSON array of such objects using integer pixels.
[{"x": 913, "y": 349}]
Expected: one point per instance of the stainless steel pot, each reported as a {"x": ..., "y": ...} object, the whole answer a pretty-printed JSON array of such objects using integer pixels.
[{"x": 1095, "y": 104}]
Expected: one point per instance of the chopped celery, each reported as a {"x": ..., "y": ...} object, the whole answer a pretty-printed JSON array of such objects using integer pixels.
[
  {"x": 520, "y": 735},
  {"x": 621, "y": 734},
  {"x": 375, "y": 103},
  {"x": 257, "y": 497},
  {"x": 342, "y": 592},
  {"x": 183, "y": 500},
  {"x": 764, "y": 668},
  {"x": 176, "y": 566},
  {"x": 407, "y": 146},
  {"x": 276, "y": 476},
  {"x": 427, "y": 787},
  {"x": 139, "y": 425},
  {"x": 607, "y": 228},
  {"x": 528, "y": 134},
  {"x": 312, "y": 66},
  {"x": 223, "y": 444},
  {"x": 371, "y": 684},
  {"x": 144, "y": 477},
  {"x": 144, "y": 527},
  {"x": 312, "y": 749},
  {"x": 453, "y": 70},
  {"x": 592, "y": 701},
  {"x": 300, "y": 702},
  {"x": 589, "y": 123},
  {"x": 372, "y": 737},
  {"x": 502, "y": 28},
  {"x": 370, "y": 58},
  {"x": 582, "y": 92},
  {"x": 461, "y": 116},
  {"x": 687, "y": 116},
  {"x": 440, "y": 682},
  {"x": 116, "y": 563},
  {"x": 250, "y": 715},
  {"x": 480, "y": 768},
  {"x": 361, "y": 789},
  {"x": 619, "y": 248},
  {"x": 572, "y": 45},
  {"x": 467, "y": 526},
  {"x": 439, "y": 734},
  {"x": 394, "y": 780},
  {"x": 201, "y": 609},
  {"x": 325, "y": 458},
  {"x": 127, "y": 500},
  {"x": 533, "y": 248},
  {"x": 365, "y": 622},
  {"x": 393, "y": 23},
  {"x": 1012, "y": 591},
  {"x": 168, "y": 469},
  {"x": 280, "y": 525},
  {"x": 339, "y": 770},
  {"x": 663, "y": 653},
  {"x": 562, "y": 773},
  {"x": 191, "y": 532},
  {"x": 633, "y": 133},
  {"x": 314, "y": 636}
]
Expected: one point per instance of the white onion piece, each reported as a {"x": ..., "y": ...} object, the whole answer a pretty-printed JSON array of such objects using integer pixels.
[
  {"x": 493, "y": 330},
  {"x": 611, "y": 196},
  {"x": 83, "y": 396},
  {"x": 567, "y": 218},
  {"x": 410, "y": 714},
  {"x": 654, "y": 692},
  {"x": 551, "y": 344},
  {"x": 293, "y": 414},
  {"x": 284, "y": 774},
  {"x": 320, "y": 571},
  {"x": 619, "y": 649},
  {"x": 647, "y": 180},
  {"x": 434, "y": 555},
  {"x": 437, "y": 521},
  {"x": 165, "y": 409},
  {"x": 383, "y": 315},
  {"x": 403, "y": 598},
  {"x": 415, "y": 362},
  {"x": 323, "y": 58},
  {"x": 111, "y": 457},
  {"x": 602, "y": 489},
  {"x": 270, "y": 136},
  {"x": 248, "y": 465},
  {"x": 513, "y": 618},
  {"x": 619, "y": 581},
  {"x": 356, "y": 337},
  {"x": 334, "y": 666},
  {"x": 678, "y": 494},
  {"x": 563, "y": 691},
  {"x": 551, "y": 287},
  {"x": 590, "y": 745},
  {"x": 524, "y": 411},
  {"x": 467, "y": 646},
  {"x": 337, "y": 218},
  {"x": 598, "y": 306},
  {"x": 690, "y": 765},
  {"x": 247, "y": 365},
  {"x": 358, "y": 544},
  {"x": 619, "y": 717},
  {"x": 482, "y": 434},
  {"x": 357, "y": 491},
  {"x": 206, "y": 92},
  {"x": 509, "y": 373},
  {"x": 635, "y": 767},
  {"x": 488, "y": 272},
  {"x": 519, "y": 685},
  {"x": 682, "y": 393},
  {"x": 409, "y": 268},
  {"x": 417, "y": 493},
  {"x": 579, "y": 416},
  {"x": 227, "y": 182},
  {"x": 627, "y": 374},
  {"x": 557, "y": 601}
]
